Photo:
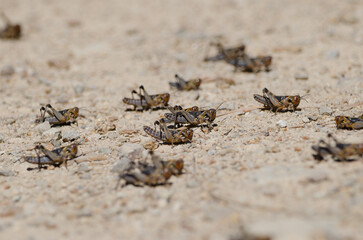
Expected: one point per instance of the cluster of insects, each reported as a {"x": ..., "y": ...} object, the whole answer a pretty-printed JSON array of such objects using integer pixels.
[
  {"x": 58, "y": 156},
  {"x": 176, "y": 126},
  {"x": 237, "y": 57}
]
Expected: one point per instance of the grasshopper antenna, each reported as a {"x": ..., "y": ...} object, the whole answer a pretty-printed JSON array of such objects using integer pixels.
[
  {"x": 219, "y": 106},
  {"x": 303, "y": 97},
  {"x": 6, "y": 19}
]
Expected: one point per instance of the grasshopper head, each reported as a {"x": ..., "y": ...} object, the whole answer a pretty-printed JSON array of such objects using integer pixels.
[
  {"x": 210, "y": 114},
  {"x": 74, "y": 112},
  {"x": 293, "y": 102},
  {"x": 266, "y": 61},
  {"x": 187, "y": 135},
  {"x": 197, "y": 82},
  {"x": 164, "y": 97},
  {"x": 342, "y": 121},
  {"x": 179, "y": 165},
  {"x": 167, "y": 173},
  {"x": 74, "y": 149}
]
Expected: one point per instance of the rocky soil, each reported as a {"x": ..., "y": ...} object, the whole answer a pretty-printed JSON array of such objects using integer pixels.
[{"x": 253, "y": 175}]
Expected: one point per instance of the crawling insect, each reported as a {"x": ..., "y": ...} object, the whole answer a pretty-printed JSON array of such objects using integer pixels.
[
  {"x": 350, "y": 123},
  {"x": 182, "y": 84},
  {"x": 193, "y": 116},
  {"x": 226, "y": 53},
  {"x": 247, "y": 64},
  {"x": 57, "y": 118},
  {"x": 170, "y": 136},
  {"x": 277, "y": 103},
  {"x": 147, "y": 101},
  {"x": 340, "y": 152},
  {"x": 11, "y": 31},
  {"x": 55, "y": 157},
  {"x": 151, "y": 175},
  {"x": 175, "y": 166}
]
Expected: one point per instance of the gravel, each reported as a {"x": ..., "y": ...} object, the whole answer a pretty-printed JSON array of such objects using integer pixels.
[
  {"x": 132, "y": 151},
  {"x": 282, "y": 124},
  {"x": 43, "y": 127},
  {"x": 6, "y": 173},
  {"x": 70, "y": 135},
  {"x": 332, "y": 54},
  {"x": 121, "y": 165}
]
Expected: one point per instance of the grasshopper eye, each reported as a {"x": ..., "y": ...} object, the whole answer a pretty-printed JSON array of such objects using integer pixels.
[{"x": 289, "y": 100}]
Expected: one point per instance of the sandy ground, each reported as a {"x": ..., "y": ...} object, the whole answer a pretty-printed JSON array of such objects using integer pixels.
[{"x": 267, "y": 185}]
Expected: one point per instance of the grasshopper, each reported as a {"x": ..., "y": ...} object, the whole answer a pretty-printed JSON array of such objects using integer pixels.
[
  {"x": 340, "y": 152},
  {"x": 247, "y": 64},
  {"x": 350, "y": 123},
  {"x": 57, "y": 118},
  {"x": 55, "y": 157},
  {"x": 226, "y": 53},
  {"x": 11, "y": 31},
  {"x": 169, "y": 136},
  {"x": 193, "y": 116},
  {"x": 151, "y": 175},
  {"x": 147, "y": 101},
  {"x": 277, "y": 103},
  {"x": 182, "y": 84},
  {"x": 175, "y": 166}
]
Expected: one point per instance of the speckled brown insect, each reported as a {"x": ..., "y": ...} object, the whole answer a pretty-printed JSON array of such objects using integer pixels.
[
  {"x": 11, "y": 31},
  {"x": 251, "y": 64},
  {"x": 278, "y": 103},
  {"x": 147, "y": 101},
  {"x": 169, "y": 136},
  {"x": 339, "y": 151},
  {"x": 349, "y": 123},
  {"x": 57, "y": 118},
  {"x": 55, "y": 157},
  {"x": 226, "y": 53},
  {"x": 183, "y": 85},
  {"x": 140, "y": 174},
  {"x": 193, "y": 116}
]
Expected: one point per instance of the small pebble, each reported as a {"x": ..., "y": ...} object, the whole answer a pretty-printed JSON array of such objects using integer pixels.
[
  {"x": 281, "y": 123},
  {"x": 211, "y": 152},
  {"x": 41, "y": 128},
  {"x": 332, "y": 54},
  {"x": 105, "y": 150},
  {"x": 313, "y": 117},
  {"x": 305, "y": 120},
  {"x": 84, "y": 167},
  {"x": 326, "y": 111},
  {"x": 16, "y": 198},
  {"x": 70, "y": 135},
  {"x": 317, "y": 176},
  {"x": 6, "y": 173},
  {"x": 192, "y": 183},
  {"x": 2, "y": 139},
  {"x": 7, "y": 71},
  {"x": 54, "y": 133},
  {"x": 132, "y": 151},
  {"x": 112, "y": 135},
  {"x": 301, "y": 75},
  {"x": 121, "y": 165},
  {"x": 85, "y": 176},
  {"x": 78, "y": 89}
]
